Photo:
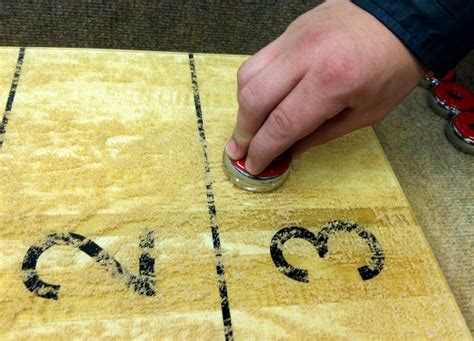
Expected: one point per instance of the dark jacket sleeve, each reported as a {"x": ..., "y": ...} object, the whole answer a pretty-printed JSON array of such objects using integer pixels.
[{"x": 438, "y": 32}]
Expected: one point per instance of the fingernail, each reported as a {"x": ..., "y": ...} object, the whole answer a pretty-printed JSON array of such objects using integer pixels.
[
  {"x": 250, "y": 167},
  {"x": 231, "y": 149}
]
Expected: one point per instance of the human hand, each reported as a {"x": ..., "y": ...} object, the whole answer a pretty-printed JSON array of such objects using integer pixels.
[{"x": 334, "y": 70}]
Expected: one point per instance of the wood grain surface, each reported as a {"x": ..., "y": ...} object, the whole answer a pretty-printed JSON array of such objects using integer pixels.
[{"x": 112, "y": 187}]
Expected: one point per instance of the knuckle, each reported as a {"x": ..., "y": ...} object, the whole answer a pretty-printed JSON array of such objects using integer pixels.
[
  {"x": 300, "y": 22},
  {"x": 310, "y": 38},
  {"x": 248, "y": 99},
  {"x": 281, "y": 126},
  {"x": 295, "y": 26},
  {"x": 342, "y": 70},
  {"x": 333, "y": 74},
  {"x": 242, "y": 74}
]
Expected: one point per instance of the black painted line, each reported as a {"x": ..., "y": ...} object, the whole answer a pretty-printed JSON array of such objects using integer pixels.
[
  {"x": 11, "y": 95},
  {"x": 211, "y": 207}
]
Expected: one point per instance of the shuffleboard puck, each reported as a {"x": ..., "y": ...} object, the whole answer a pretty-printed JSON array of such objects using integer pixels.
[
  {"x": 449, "y": 99},
  {"x": 460, "y": 132},
  {"x": 430, "y": 80},
  {"x": 270, "y": 179}
]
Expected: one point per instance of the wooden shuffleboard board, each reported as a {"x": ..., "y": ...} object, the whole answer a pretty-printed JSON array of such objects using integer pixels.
[{"x": 116, "y": 219}]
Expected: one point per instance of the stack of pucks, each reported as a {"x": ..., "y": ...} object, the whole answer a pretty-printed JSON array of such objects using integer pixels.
[
  {"x": 271, "y": 178},
  {"x": 460, "y": 132},
  {"x": 430, "y": 80},
  {"x": 449, "y": 99}
]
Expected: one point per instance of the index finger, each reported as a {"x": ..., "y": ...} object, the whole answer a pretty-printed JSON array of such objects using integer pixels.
[
  {"x": 297, "y": 116},
  {"x": 258, "y": 97}
]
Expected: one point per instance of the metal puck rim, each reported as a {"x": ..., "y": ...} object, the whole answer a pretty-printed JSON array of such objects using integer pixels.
[
  {"x": 441, "y": 92},
  {"x": 461, "y": 135},
  {"x": 249, "y": 182},
  {"x": 457, "y": 141}
]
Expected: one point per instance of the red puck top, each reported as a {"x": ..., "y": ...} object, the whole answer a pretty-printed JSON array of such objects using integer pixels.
[
  {"x": 449, "y": 77},
  {"x": 455, "y": 96},
  {"x": 464, "y": 124},
  {"x": 278, "y": 166}
]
